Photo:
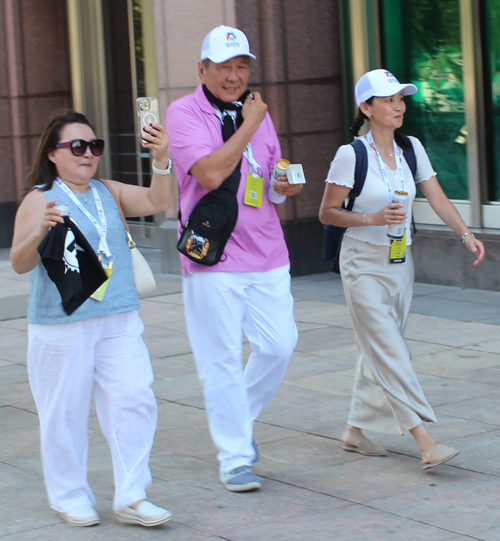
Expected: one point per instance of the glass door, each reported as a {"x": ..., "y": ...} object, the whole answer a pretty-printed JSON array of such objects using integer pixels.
[
  {"x": 125, "y": 82},
  {"x": 490, "y": 17},
  {"x": 120, "y": 95},
  {"x": 131, "y": 69},
  {"x": 421, "y": 44}
]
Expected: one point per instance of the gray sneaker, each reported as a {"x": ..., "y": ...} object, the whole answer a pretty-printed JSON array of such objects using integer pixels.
[
  {"x": 256, "y": 458},
  {"x": 240, "y": 479}
]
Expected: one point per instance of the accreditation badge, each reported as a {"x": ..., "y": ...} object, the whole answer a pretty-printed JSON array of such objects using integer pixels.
[
  {"x": 398, "y": 251},
  {"x": 254, "y": 188},
  {"x": 98, "y": 294}
]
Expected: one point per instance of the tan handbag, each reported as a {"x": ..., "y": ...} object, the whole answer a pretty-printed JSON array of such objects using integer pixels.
[{"x": 143, "y": 275}]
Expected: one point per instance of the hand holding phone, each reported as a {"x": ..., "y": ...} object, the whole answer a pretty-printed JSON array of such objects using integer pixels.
[
  {"x": 157, "y": 138},
  {"x": 147, "y": 113}
]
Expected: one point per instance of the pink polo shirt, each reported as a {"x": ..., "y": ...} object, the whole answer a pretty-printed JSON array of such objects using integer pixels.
[{"x": 257, "y": 243}]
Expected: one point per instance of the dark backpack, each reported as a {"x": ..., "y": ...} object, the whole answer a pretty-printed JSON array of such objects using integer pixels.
[{"x": 332, "y": 238}]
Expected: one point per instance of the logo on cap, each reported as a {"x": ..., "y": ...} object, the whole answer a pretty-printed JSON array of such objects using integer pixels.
[
  {"x": 391, "y": 77},
  {"x": 231, "y": 40}
]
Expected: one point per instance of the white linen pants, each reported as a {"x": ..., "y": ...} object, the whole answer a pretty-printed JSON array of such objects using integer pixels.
[
  {"x": 218, "y": 305},
  {"x": 65, "y": 362},
  {"x": 387, "y": 396}
]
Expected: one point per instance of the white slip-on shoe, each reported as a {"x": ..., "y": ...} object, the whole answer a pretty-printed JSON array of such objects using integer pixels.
[
  {"x": 146, "y": 514},
  {"x": 82, "y": 515}
]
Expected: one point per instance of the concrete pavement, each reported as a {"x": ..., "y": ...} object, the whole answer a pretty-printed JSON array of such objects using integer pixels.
[{"x": 311, "y": 488}]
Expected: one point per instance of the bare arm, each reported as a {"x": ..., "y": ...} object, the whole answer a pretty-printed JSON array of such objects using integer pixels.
[
  {"x": 211, "y": 171},
  {"x": 331, "y": 213},
  {"x": 140, "y": 201},
  {"x": 445, "y": 209},
  {"x": 33, "y": 220}
]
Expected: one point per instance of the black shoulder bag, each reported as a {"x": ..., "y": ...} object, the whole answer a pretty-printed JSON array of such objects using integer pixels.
[{"x": 210, "y": 224}]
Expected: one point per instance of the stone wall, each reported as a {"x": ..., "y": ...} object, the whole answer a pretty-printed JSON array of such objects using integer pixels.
[
  {"x": 34, "y": 80},
  {"x": 441, "y": 258},
  {"x": 299, "y": 73}
]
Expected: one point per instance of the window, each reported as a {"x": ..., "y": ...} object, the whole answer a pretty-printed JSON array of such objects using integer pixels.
[
  {"x": 421, "y": 44},
  {"x": 491, "y": 57}
]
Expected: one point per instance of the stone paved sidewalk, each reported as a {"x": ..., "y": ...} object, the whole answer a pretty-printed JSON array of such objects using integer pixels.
[{"x": 311, "y": 489}]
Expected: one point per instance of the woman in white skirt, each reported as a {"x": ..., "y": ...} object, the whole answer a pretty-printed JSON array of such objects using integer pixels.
[{"x": 386, "y": 396}]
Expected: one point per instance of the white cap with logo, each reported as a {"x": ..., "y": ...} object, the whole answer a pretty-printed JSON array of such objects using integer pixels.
[
  {"x": 223, "y": 43},
  {"x": 380, "y": 83}
]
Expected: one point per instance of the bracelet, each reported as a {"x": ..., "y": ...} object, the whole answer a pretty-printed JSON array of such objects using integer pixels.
[
  {"x": 166, "y": 171},
  {"x": 364, "y": 219},
  {"x": 465, "y": 234}
]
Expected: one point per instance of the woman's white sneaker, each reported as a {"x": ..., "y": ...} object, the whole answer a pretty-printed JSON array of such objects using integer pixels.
[
  {"x": 146, "y": 514},
  {"x": 82, "y": 515}
]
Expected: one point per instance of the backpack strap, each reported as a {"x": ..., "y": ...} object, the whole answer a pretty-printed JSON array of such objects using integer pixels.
[
  {"x": 360, "y": 170},
  {"x": 411, "y": 159},
  {"x": 408, "y": 152}
]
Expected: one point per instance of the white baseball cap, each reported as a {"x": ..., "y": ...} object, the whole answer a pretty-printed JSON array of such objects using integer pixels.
[
  {"x": 380, "y": 83},
  {"x": 223, "y": 43}
]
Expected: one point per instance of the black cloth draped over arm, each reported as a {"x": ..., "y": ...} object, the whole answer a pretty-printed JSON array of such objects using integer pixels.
[{"x": 71, "y": 263}]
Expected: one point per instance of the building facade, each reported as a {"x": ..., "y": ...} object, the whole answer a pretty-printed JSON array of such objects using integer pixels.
[{"x": 98, "y": 56}]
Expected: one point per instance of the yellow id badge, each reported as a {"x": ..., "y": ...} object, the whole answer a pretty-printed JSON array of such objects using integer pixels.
[
  {"x": 98, "y": 294},
  {"x": 398, "y": 250},
  {"x": 254, "y": 189}
]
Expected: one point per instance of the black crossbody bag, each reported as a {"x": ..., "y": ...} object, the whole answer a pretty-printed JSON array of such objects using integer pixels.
[{"x": 211, "y": 222}]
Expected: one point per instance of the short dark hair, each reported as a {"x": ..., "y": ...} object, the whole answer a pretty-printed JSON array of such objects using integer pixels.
[{"x": 43, "y": 171}]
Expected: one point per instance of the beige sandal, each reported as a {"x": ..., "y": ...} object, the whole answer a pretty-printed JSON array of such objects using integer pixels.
[
  {"x": 440, "y": 454},
  {"x": 365, "y": 447}
]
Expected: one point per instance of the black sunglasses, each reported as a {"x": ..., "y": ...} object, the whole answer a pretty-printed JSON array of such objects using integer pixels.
[{"x": 79, "y": 146}]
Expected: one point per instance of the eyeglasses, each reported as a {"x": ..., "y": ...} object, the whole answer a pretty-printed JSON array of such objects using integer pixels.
[{"x": 79, "y": 146}]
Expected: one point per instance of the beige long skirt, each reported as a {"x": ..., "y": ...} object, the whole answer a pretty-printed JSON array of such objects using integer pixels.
[{"x": 387, "y": 396}]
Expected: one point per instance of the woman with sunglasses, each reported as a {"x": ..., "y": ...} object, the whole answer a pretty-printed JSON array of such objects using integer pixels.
[
  {"x": 99, "y": 346},
  {"x": 378, "y": 284}
]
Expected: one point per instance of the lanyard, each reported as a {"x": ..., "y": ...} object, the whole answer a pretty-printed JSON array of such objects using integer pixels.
[
  {"x": 102, "y": 227},
  {"x": 251, "y": 160},
  {"x": 248, "y": 150},
  {"x": 399, "y": 166}
]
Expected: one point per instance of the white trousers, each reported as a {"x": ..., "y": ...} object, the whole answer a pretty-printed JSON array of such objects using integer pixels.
[
  {"x": 218, "y": 305},
  {"x": 65, "y": 362}
]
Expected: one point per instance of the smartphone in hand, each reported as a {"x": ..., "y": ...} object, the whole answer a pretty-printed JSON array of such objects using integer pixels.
[{"x": 147, "y": 112}]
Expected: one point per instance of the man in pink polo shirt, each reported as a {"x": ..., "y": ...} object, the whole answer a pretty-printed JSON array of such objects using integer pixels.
[{"x": 249, "y": 288}]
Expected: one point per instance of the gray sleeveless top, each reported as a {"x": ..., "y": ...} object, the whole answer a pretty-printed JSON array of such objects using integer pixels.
[{"x": 45, "y": 305}]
